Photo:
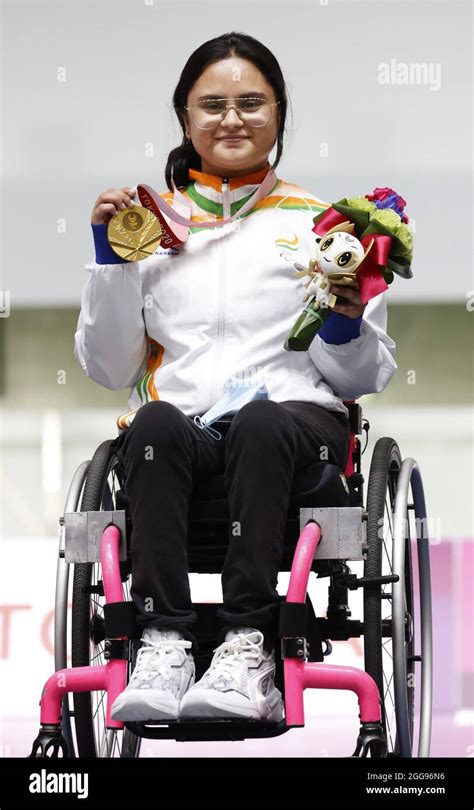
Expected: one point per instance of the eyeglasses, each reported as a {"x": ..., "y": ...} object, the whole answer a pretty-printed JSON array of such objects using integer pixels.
[{"x": 209, "y": 113}]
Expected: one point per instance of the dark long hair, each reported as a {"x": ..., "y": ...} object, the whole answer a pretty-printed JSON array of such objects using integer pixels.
[{"x": 184, "y": 156}]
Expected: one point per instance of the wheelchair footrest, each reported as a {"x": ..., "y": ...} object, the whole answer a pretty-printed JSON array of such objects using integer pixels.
[{"x": 207, "y": 730}]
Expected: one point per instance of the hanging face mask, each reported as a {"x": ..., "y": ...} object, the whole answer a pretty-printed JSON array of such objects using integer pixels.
[{"x": 238, "y": 392}]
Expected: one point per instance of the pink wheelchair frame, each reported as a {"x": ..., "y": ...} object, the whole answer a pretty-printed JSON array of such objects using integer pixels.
[{"x": 298, "y": 674}]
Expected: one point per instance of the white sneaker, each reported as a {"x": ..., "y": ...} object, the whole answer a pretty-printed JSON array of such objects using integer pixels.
[
  {"x": 162, "y": 674},
  {"x": 239, "y": 682}
]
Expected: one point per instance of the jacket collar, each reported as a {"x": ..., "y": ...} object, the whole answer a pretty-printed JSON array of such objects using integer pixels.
[
  {"x": 208, "y": 195},
  {"x": 214, "y": 181}
]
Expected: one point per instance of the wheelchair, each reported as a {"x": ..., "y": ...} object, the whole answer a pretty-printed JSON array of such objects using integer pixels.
[{"x": 328, "y": 526}]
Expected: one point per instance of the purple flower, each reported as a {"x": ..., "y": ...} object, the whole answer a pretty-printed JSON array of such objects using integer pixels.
[{"x": 388, "y": 198}]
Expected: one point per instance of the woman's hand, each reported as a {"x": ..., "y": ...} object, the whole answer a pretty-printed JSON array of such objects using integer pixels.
[
  {"x": 353, "y": 307},
  {"x": 110, "y": 202}
]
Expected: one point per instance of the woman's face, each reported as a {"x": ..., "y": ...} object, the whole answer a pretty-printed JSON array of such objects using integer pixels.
[{"x": 230, "y": 78}]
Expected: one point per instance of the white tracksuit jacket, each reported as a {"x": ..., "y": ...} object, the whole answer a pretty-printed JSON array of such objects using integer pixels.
[{"x": 177, "y": 325}]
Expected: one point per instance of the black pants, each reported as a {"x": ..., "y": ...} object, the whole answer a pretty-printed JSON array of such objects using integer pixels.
[{"x": 163, "y": 454}]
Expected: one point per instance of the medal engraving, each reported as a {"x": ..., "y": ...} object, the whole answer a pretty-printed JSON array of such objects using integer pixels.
[{"x": 134, "y": 234}]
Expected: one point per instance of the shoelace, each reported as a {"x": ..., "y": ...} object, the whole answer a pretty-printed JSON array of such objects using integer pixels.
[
  {"x": 159, "y": 650},
  {"x": 230, "y": 653}
]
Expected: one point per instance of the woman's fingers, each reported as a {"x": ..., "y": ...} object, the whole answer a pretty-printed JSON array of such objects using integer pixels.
[
  {"x": 118, "y": 196},
  {"x": 350, "y": 292},
  {"x": 351, "y": 310},
  {"x": 106, "y": 208},
  {"x": 353, "y": 306},
  {"x": 110, "y": 202},
  {"x": 348, "y": 309},
  {"x": 129, "y": 193}
]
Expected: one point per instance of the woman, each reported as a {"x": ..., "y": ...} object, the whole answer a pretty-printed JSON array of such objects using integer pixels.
[{"x": 175, "y": 327}]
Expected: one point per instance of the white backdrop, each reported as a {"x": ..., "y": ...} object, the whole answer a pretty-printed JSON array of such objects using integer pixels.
[{"x": 87, "y": 93}]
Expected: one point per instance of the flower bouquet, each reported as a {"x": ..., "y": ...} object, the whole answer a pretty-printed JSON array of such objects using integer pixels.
[{"x": 364, "y": 238}]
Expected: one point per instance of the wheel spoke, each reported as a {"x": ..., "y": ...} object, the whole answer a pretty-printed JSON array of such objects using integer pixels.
[
  {"x": 385, "y": 648},
  {"x": 389, "y": 732},
  {"x": 388, "y": 682},
  {"x": 99, "y": 702},
  {"x": 388, "y": 508}
]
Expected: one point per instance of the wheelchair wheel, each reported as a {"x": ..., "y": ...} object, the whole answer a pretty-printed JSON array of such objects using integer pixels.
[
  {"x": 61, "y": 603},
  {"x": 389, "y": 609},
  {"x": 88, "y": 626}
]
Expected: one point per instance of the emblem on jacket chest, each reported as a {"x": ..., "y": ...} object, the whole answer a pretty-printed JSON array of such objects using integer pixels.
[{"x": 288, "y": 247}]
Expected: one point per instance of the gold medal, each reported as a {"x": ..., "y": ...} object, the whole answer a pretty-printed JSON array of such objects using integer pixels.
[{"x": 134, "y": 234}]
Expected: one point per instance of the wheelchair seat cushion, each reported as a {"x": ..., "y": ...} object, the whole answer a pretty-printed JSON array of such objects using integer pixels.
[{"x": 319, "y": 484}]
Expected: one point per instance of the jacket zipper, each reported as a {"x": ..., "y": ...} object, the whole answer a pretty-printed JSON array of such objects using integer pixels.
[
  {"x": 221, "y": 284},
  {"x": 225, "y": 197}
]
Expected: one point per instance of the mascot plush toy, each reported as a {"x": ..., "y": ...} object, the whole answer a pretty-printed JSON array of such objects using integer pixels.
[{"x": 364, "y": 238}]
